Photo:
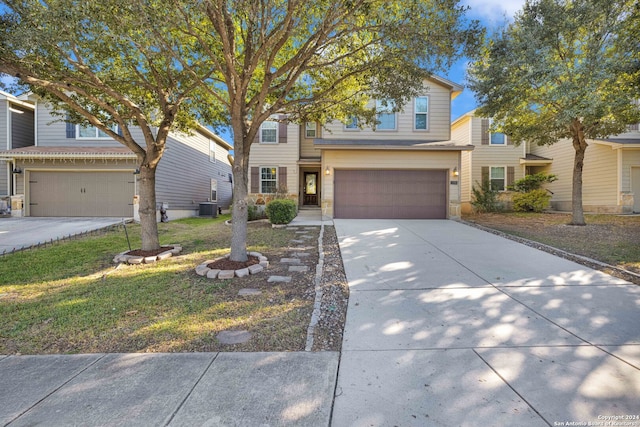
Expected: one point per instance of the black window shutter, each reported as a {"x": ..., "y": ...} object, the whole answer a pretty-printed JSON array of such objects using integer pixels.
[
  {"x": 485, "y": 174},
  {"x": 255, "y": 179},
  {"x": 484, "y": 128}
]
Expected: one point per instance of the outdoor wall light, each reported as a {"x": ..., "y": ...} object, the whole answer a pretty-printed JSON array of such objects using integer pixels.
[
  {"x": 16, "y": 171},
  {"x": 136, "y": 172},
  {"x": 455, "y": 171},
  {"x": 327, "y": 171}
]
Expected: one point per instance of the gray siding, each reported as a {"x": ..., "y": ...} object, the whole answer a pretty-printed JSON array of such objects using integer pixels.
[
  {"x": 52, "y": 132},
  {"x": 4, "y": 133},
  {"x": 22, "y": 128},
  {"x": 184, "y": 174}
]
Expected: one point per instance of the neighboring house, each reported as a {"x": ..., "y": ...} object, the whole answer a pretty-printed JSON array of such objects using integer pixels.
[
  {"x": 407, "y": 167},
  {"x": 495, "y": 158},
  {"x": 611, "y": 174},
  {"x": 56, "y": 168}
]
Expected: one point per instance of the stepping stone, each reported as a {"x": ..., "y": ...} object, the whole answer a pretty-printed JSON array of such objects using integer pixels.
[
  {"x": 300, "y": 254},
  {"x": 256, "y": 268},
  {"x": 247, "y": 292},
  {"x": 300, "y": 232},
  {"x": 242, "y": 272},
  {"x": 283, "y": 279},
  {"x": 227, "y": 274},
  {"x": 297, "y": 241},
  {"x": 290, "y": 260},
  {"x": 299, "y": 268},
  {"x": 233, "y": 337}
]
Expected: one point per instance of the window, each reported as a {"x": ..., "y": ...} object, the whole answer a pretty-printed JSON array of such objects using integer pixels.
[
  {"x": 269, "y": 132},
  {"x": 497, "y": 175},
  {"x": 92, "y": 132},
  {"x": 268, "y": 179},
  {"x": 352, "y": 124},
  {"x": 421, "y": 112},
  {"x": 496, "y": 138},
  {"x": 310, "y": 130},
  {"x": 385, "y": 116},
  {"x": 212, "y": 151},
  {"x": 214, "y": 190}
]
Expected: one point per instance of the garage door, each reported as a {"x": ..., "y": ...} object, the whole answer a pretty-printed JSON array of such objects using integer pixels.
[
  {"x": 81, "y": 194},
  {"x": 400, "y": 194}
]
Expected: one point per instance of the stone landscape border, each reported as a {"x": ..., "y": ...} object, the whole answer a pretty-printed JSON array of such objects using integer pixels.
[
  {"x": 135, "y": 259},
  {"x": 204, "y": 270}
]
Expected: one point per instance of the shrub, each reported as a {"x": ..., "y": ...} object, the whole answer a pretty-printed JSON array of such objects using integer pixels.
[
  {"x": 532, "y": 182},
  {"x": 485, "y": 199},
  {"x": 535, "y": 200},
  {"x": 281, "y": 211}
]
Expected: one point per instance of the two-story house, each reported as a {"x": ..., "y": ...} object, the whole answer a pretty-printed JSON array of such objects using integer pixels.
[
  {"x": 611, "y": 174},
  {"x": 54, "y": 168},
  {"x": 405, "y": 167}
]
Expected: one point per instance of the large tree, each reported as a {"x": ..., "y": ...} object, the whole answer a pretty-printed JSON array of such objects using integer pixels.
[
  {"x": 97, "y": 64},
  {"x": 312, "y": 61},
  {"x": 563, "y": 70}
]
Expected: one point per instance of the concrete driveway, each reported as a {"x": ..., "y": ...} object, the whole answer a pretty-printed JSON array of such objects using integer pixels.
[
  {"x": 449, "y": 325},
  {"x": 16, "y": 233}
]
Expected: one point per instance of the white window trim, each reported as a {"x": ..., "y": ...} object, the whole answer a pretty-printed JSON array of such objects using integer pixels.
[
  {"x": 260, "y": 180},
  {"x": 504, "y": 183},
  {"x": 212, "y": 151},
  {"x": 395, "y": 119},
  {"x": 269, "y": 142},
  {"x": 415, "y": 113},
  {"x": 78, "y": 127},
  {"x": 306, "y": 130},
  {"x": 504, "y": 137}
]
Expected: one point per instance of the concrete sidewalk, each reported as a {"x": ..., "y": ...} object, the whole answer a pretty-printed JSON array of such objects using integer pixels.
[
  {"x": 181, "y": 389},
  {"x": 448, "y": 325}
]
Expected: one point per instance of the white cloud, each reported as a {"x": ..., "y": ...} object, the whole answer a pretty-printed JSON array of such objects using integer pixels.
[{"x": 494, "y": 12}]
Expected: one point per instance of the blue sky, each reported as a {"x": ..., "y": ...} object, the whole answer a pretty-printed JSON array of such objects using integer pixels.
[{"x": 493, "y": 14}]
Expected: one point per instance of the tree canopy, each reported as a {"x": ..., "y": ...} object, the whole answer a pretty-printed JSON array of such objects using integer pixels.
[
  {"x": 564, "y": 69},
  {"x": 311, "y": 61},
  {"x": 97, "y": 63}
]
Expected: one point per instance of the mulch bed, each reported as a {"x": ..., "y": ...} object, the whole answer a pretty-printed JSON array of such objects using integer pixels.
[
  {"x": 227, "y": 264},
  {"x": 154, "y": 252}
]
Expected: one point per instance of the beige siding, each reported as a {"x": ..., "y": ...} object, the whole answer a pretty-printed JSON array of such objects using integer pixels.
[
  {"x": 379, "y": 159},
  {"x": 279, "y": 155},
  {"x": 630, "y": 158},
  {"x": 5, "y": 138},
  {"x": 599, "y": 176},
  {"x": 439, "y": 121},
  {"x": 307, "y": 150}
]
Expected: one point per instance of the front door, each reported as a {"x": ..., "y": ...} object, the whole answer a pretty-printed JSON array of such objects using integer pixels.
[{"x": 310, "y": 189}]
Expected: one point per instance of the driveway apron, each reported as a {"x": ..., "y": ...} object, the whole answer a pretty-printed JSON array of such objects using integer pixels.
[{"x": 450, "y": 325}]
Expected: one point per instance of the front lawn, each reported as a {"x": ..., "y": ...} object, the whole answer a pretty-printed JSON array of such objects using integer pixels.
[{"x": 71, "y": 298}]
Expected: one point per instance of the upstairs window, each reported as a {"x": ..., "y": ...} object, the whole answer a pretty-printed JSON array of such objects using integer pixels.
[
  {"x": 269, "y": 132},
  {"x": 421, "y": 121},
  {"x": 385, "y": 116},
  {"x": 212, "y": 151},
  {"x": 496, "y": 138},
  {"x": 92, "y": 132},
  {"x": 310, "y": 130},
  {"x": 352, "y": 124}
]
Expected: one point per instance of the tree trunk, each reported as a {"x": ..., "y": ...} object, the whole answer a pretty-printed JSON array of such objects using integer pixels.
[
  {"x": 239, "y": 214},
  {"x": 580, "y": 147},
  {"x": 147, "y": 211}
]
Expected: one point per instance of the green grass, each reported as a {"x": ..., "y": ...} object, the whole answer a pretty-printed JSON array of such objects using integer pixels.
[{"x": 71, "y": 298}]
